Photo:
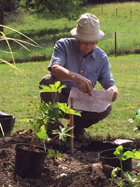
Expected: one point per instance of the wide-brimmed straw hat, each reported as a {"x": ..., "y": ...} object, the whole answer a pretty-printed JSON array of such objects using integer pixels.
[{"x": 88, "y": 29}]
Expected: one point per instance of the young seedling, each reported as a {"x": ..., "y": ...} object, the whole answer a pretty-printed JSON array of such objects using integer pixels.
[{"x": 127, "y": 179}]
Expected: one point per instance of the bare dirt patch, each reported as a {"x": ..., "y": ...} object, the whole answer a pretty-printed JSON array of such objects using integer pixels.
[{"x": 81, "y": 169}]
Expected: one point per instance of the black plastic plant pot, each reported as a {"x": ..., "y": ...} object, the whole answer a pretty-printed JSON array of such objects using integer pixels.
[
  {"x": 107, "y": 157},
  {"x": 29, "y": 164},
  {"x": 7, "y": 121}
]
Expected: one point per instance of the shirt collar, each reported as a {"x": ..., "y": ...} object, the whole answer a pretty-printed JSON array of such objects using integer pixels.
[{"x": 94, "y": 52}]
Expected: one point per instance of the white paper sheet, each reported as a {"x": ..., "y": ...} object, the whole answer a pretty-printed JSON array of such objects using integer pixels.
[{"x": 98, "y": 102}]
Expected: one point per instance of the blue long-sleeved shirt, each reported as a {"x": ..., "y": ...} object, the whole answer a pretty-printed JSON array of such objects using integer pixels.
[{"x": 95, "y": 66}]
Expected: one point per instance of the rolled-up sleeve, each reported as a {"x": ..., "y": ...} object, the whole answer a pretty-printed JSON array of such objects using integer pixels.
[
  {"x": 105, "y": 77},
  {"x": 59, "y": 55}
]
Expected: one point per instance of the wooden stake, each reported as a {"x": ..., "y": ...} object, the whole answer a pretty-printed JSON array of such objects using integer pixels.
[
  {"x": 72, "y": 131},
  {"x": 2, "y": 130},
  {"x": 115, "y": 44}
]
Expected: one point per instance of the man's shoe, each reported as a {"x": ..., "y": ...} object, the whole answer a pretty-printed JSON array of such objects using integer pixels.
[{"x": 80, "y": 135}]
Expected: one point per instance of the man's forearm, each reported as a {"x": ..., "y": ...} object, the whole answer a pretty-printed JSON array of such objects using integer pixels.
[{"x": 64, "y": 74}]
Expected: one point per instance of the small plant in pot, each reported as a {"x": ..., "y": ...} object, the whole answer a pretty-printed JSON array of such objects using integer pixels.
[
  {"x": 30, "y": 157},
  {"x": 127, "y": 179}
]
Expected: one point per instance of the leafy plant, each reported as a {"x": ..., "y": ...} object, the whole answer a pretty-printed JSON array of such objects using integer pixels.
[
  {"x": 137, "y": 118},
  {"x": 127, "y": 179},
  {"x": 47, "y": 113}
]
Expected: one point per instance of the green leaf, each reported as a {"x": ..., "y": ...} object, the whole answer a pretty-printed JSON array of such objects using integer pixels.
[
  {"x": 114, "y": 172},
  {"x": 137, "y": 154},
  {"x": 63, "y": 132},
  {"x": 58, "y": 155},
  {"x": 138, "y": 178},
  {"x": 51, "y": 153},
  {"x": 128, "y": 175},
  {"x": 128, "y": 154},
  {"x": 56, "y": 87},
  {"x": 42, "y": 135},
  {"x": 137, "y": 117},
  {"x": 66, "y": 109},
  {"x": 119, "y": 182},
  {"x": 119, "y": 152}
]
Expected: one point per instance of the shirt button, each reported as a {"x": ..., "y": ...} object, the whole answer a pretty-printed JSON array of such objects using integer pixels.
[{"x": 81, "y": 71}]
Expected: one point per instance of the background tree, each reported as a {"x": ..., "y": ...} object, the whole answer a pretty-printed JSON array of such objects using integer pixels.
[
  {"x": 1, "y": 15},
  {"x": 67, "y": 8}
]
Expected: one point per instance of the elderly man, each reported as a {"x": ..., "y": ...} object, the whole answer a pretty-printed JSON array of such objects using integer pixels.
[{"x": 78, "y": 62}]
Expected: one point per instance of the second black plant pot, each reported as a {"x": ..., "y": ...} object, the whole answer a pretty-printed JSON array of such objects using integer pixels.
[
  {"x": 107, "y": 157},
  {"x": 29, "y": 164},
  {"x": 7, "y": 121}
]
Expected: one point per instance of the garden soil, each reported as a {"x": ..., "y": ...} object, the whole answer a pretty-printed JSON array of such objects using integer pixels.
[{"x": 83, "y": 168}]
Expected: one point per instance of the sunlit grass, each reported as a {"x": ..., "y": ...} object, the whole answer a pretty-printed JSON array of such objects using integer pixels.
[
  {"x": 17, "y": 91},
  {"x": 126, "y": 72}
]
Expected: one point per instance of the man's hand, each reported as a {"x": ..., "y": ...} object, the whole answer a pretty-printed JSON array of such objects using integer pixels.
[
  {"x": 115, "y": 94},
  {"x": 83, "y": 84},
  {"x": 64, "y": 74}
]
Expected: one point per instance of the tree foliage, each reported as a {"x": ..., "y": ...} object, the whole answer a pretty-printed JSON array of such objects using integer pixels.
[{"x": 58, "y": 7}]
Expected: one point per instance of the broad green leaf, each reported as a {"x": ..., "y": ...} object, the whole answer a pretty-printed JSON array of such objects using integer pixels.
[
  {"x": 51, "y": 153},
  {"x": 128, "y": 154},
  {"x": 66, "y": 109},
  {"x": 137, "y": 154},
  {"x": 42, "y": 134},
  {"x": 119, "y": 152},
  {"x": 56, "y": 87},
  {"x": 63, "y": 132}
]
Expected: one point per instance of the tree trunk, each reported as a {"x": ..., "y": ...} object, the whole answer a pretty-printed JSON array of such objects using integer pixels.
[{"x": 1, "y": 16}]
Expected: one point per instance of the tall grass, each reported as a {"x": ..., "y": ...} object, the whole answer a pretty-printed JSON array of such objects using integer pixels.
[
  {"x": 17, "y": 92},
  {"x": 122, "y": 18}
]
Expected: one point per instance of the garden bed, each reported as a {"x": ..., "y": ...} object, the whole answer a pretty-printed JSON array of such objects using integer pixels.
[{"x": 81, "y": 169}]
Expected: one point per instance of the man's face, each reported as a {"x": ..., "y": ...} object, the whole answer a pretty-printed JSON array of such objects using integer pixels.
[{"x": 86, "y": 47}]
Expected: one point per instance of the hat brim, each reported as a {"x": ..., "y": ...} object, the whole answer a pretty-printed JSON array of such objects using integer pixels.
[{"x": 87, "y": 38}]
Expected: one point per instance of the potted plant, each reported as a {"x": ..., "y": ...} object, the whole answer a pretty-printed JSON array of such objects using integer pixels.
[
  {"x": 46, "y": 113},
  {"x": 128, "y": 178}
]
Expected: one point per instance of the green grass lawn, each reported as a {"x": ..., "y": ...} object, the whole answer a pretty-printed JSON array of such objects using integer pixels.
[{"x": 17, "y": 92}]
